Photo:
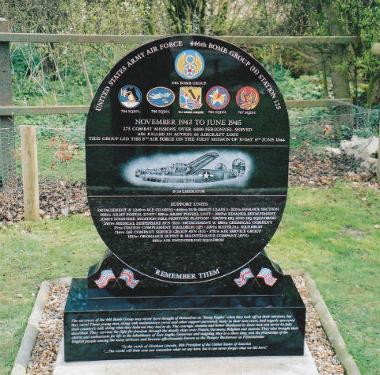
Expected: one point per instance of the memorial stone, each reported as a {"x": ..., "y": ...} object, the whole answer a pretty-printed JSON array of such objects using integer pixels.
[{"x": 187, "y": 151}]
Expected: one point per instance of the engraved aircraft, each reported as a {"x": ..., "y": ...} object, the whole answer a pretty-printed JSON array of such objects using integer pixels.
[{"x": 194, "y": 172}]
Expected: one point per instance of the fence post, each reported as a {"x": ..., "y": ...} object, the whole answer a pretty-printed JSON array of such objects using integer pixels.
[
  {"x": 376, "y": 51},
  {"x": 29, "y": 166},
  {"x": 7, "y": 164}
]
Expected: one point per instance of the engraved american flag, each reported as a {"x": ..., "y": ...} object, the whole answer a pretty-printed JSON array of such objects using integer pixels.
[
  {"x": 129, "y": 278},
  {"x": 105, "y": 277},
  {"x": 266, "y": 275},
  {"x": 245, "y": 275}
]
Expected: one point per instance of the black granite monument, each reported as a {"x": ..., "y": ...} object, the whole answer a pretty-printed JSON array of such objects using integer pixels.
[{"x": 187, "y": 147}]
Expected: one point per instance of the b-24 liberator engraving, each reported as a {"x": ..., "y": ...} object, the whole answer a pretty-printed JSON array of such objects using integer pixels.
[{"x": 194, "y": 172}]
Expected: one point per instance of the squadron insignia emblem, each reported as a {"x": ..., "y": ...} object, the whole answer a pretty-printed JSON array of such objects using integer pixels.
[
  {"x": 189, "y": 64},
  {"x": 190, "y": 97},
  {"x": 247, "y": 98},
  {"x": 130, "y": 96},
  {"x": 217, "y": 97},
  {"x": 160, "y": 97}
]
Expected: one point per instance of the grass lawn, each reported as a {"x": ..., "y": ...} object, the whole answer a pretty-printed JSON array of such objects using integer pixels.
[{"x": 332, "y": 233}]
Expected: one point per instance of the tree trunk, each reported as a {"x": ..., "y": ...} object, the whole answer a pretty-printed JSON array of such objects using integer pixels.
[
  {"x": 374, "y": 90},
  {"x": 338, "y": 67},
  {"x": 340, "y": 77},
  {"x": 339, "y": 72}
]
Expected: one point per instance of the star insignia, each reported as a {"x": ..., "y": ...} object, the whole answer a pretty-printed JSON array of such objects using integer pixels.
[{"x": 217, "y": 97}]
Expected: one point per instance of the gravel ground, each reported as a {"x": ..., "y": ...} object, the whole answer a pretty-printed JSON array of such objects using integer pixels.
[
  {"x": 46, "y": 348},
  {"x": 51, "y": 330},
  {"x": 319, "y": 345}
]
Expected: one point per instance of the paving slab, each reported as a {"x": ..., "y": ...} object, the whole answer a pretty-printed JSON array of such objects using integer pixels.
[{"x": 292, "y": 365}]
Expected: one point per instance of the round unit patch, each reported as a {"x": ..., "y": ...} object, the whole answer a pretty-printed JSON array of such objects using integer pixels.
[
  {"x": 160, "y": 96},
  {"x": 218, "y": 97},
  {"x": 189, "y": 64},
  {"x": 247, "y": 98},
  {"x": 130, "y": 96}
]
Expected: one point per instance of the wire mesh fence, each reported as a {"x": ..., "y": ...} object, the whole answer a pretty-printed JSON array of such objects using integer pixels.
[
  {"x": 331, "y": 127},
  {"x": 61, "y": 170},
  {"x": 8, "y": 160},
  {"x": 61, "y": 155},
  {"x": 61, "y": 163},
  {"x": 339, "y": 143}
]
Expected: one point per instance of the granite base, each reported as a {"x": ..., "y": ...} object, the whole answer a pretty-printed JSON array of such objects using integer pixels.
[
  {"x": 292, "y": 365},
  {"x": 244, "y": 324}
]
